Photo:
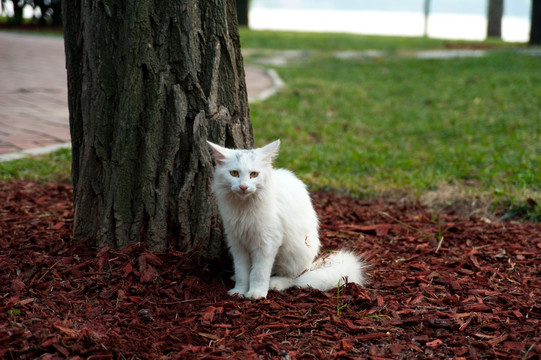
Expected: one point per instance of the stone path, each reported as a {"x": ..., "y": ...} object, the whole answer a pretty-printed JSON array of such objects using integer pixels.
[
  {"x": 272, "y": 57},
  {"x": 33, "y": 93}
]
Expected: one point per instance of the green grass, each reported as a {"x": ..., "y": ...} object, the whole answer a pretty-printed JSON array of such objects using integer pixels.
[
  {"x": 396, "y": 124},
  {"x": 287, "y": 40},
  {"x": 331, "y": 41},
  {"x": 51, "y": 167}
]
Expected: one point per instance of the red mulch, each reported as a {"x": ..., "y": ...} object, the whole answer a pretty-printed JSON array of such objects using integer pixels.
[{"x": 477, "y": 297}]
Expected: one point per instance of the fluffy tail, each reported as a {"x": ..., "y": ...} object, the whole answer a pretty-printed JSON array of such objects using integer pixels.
[
  {"x": 332, "y": 270},
  {"x": 326, "y": 273}
]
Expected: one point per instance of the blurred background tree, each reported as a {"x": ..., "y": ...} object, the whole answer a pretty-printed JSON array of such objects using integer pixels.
[
  {"x": 535, "y": 30},
  {"x": 242, "y": 12},
  {"x": 46, "y": 12},
  {"x": 426, "y": 10},
  {"x": 495, "y": 14}
]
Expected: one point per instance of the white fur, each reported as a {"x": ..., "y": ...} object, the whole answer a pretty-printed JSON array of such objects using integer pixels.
[{"x": 272, "y": 228}]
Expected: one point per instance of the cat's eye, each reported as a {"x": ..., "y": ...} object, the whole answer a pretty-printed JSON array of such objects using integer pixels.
[
  {"x": 234, "y": 173},
  {"x": 254, "y": 174}
]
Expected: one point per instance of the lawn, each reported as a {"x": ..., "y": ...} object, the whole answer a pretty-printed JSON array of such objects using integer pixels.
[
  {"x": 395, "y": 124},
  {"x": 285, "y": 40},
  {"x": 44, "y": 168}
]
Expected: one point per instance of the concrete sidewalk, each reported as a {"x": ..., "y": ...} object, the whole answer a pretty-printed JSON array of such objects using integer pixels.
[{"x": 33, "y": 92}]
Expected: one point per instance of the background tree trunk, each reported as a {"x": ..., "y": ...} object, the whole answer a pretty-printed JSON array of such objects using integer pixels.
[
  {"x": 535, "y": 30},
  {"x": 426, "y": 11},
  {"x": 495, "y": 14},
  {"x": 242, "y": 11},
  {"x": 148, "y": 83},
  {"x": 17, "y": 18}
]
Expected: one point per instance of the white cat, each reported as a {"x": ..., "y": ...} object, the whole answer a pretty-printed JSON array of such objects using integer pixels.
[{"x": 272, "y": 228}]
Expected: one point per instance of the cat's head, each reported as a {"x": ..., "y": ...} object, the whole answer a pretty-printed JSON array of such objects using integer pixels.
[{"x": 243, "y": 172}]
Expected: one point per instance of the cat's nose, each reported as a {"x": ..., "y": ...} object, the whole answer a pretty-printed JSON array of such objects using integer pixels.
[{"x": 243, "y": 187}]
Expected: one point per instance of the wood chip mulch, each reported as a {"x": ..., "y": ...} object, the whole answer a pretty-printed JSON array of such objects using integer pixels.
[{"x": 474, "y": 294}]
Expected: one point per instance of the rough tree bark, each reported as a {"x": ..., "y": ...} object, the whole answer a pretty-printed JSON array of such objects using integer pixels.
[
  {"x": 535, "y": 29},
  {"x": 495, "y": 14},
  {"x": 148, "y": 82}
]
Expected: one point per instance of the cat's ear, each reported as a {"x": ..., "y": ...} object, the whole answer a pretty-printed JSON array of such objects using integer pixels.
[
  {"x": 270, "y": 151},
  {"x": 220, "y": 153}
]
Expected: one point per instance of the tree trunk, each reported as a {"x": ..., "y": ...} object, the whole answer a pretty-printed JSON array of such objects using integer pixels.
[
  {"x": 495, "y": 14},
  {"x": 17, "y": 18},
  {"x": 56, "y": 14},
  {"x": 148, "y": 83},
  {"x": 242, "y": 12},
  {"x": 535, "y": 30},
  {"x": 426, "y": 9}
]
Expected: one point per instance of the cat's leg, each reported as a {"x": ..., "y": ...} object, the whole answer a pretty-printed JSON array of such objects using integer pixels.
[
  {"x": 242, "y": 265},
  {"x": 262, "y": 260}
]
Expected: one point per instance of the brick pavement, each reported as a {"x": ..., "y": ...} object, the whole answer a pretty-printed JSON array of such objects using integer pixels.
[{"x": 33, "y": 92}]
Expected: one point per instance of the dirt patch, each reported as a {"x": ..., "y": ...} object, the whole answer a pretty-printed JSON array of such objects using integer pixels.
[
  {"x": 478, "y": 296},
  {"x": 462, "y": 45},
  {"x": 455, "y": 199}
]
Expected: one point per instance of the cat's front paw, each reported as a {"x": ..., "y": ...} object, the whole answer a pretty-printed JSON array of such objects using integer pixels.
[
  {"x": 256, "y": 294},
  {"x": 237, "y": 291}
]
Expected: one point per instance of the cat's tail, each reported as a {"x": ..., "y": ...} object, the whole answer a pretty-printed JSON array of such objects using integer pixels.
[
  {"x": 332, "y": 270},
  {"x": 327, "y": 272}
]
